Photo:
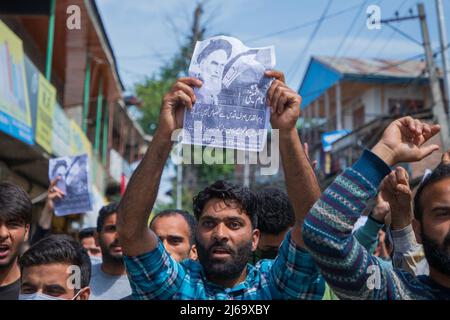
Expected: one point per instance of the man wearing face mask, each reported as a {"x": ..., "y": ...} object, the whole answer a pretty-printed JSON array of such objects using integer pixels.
[{"x": 55, "y": 268}]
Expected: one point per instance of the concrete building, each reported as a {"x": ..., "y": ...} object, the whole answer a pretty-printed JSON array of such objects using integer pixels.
[
  {"x": 78, "y": 64},
  {"x": 348, "y": 102}
]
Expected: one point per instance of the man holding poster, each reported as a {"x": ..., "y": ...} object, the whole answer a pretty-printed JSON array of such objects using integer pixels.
[{"x": 227, "y": 231}]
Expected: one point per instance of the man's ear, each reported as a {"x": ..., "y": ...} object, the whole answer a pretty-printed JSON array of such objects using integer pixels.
[
  {"x": 255, "y": 239},
  {"x": 193, "y": 253},
  {"x": 27, "y": 233},
  {"x": 97, "y": 239},
  {"x": 417, "y": 230},
  {"x": 84, "y": 295}
]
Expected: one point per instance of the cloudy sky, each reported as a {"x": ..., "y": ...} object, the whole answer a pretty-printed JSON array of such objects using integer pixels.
[{"x": 145, "y": 33}]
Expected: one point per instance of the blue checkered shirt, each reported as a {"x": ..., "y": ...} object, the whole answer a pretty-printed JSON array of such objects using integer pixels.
[{"x": 292, "y": 275}]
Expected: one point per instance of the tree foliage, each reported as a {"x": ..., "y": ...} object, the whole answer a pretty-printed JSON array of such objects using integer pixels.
[{"x": 151, "y": 92}]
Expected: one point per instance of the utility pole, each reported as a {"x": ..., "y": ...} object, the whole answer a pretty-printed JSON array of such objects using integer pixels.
[
  {"x": 438, "y": 103},
  {"x": 197, "y": 31},
  {"x": 443, "y": 42},
  {"x": 436, "y": 94}
]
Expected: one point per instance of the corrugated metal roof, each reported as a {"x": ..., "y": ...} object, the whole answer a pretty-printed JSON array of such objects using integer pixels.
[
  {"x": 380, "y": 67},
  {"x": 323, "y": 72}
]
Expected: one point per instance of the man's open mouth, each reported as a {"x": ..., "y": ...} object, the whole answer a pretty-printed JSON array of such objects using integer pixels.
[
  {"x": 116, "y": 248},
  {"x": 220, "y": 251},
  {"x": 4, "y": 250}
]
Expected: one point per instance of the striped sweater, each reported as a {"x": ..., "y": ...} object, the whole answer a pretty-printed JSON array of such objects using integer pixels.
[{"x": 350, "y": 271}]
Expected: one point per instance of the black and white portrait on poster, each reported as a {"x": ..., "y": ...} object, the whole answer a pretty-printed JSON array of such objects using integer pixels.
[
  {"x": 231, "y": 110},
  {"x": 73, "y": 173}
]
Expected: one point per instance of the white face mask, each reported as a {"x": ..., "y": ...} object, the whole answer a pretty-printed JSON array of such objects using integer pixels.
[{"x": 42, "y": 296}]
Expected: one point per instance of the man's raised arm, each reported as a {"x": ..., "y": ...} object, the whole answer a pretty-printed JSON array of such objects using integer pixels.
[
  {"x": 301, "y": 183},
  {"x": 347, "y": 267},
  {"x": 139, "y": 198}
]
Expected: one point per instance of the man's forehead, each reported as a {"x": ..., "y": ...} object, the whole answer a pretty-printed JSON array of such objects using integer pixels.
[
  {"x": 436, "y": 195},
  {"x": 6, "y": 219},
  {"x": 170, "y": 222},
  {"x": 437, "y": 190},
  {"x": 53, "y": 272},
  {"x": 220, "y": 208},
  {"x": 88, "y": 240},
  {"x": 111, "y": 218}
]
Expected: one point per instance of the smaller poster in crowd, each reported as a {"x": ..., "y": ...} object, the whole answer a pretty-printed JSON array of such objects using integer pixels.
[{"x": 73, "y": 173}]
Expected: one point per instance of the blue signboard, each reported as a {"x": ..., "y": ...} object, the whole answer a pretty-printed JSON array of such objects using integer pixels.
[{"x": 328, "y": 138}]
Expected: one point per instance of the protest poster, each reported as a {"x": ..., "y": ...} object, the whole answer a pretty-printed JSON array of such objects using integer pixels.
[
  {"x": 231, "y": 108},
  {"x": 74, "y": 181}
]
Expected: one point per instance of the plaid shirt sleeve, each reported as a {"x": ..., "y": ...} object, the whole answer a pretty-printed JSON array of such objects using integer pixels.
[
  {"x": 154, "y": 275},
  {"x": 294, "y": 273}
]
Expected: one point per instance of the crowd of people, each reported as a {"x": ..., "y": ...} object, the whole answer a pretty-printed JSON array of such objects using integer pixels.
[{"x": 365, "y": 237}]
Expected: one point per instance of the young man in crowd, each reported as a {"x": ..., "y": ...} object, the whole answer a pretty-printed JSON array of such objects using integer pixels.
[
  {"x": 109, "y": 280},
  {"x": 176, "y": 230},
  {"x": 55, "y": 268},
  {"x": 351, "y": 271},
  {"x": 226, "y": 233},
  {"x": 86, "y": 237},
  {"x": 275, "y": 218},
  {"x": 15, "y": 219}
]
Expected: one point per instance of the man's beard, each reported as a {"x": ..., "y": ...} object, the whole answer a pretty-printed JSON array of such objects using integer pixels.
[
  {"x": 437, "y": 255},
  {"x": 222, "y": 270},
  {"x": 109, "y": 256}
]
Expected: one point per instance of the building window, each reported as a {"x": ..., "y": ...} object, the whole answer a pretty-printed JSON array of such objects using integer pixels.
[{"x": 404, "y": 106}]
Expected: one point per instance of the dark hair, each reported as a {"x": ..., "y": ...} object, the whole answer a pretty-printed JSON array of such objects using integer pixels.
[
  {"x": 227, "y": 191},
  {"x": 189, "y": 218},
  {"x": 58, "y": 249},
  {"x": 15, "y": 205},
  {"x": 105, "y": 212},
  {"x": 60, "y": 163},
  {"x": 213, "y": 45},
  {"x": 86, "y": 233},
  {"x": 441, "y": 172},
  {"x": 275, "y": 212}
]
